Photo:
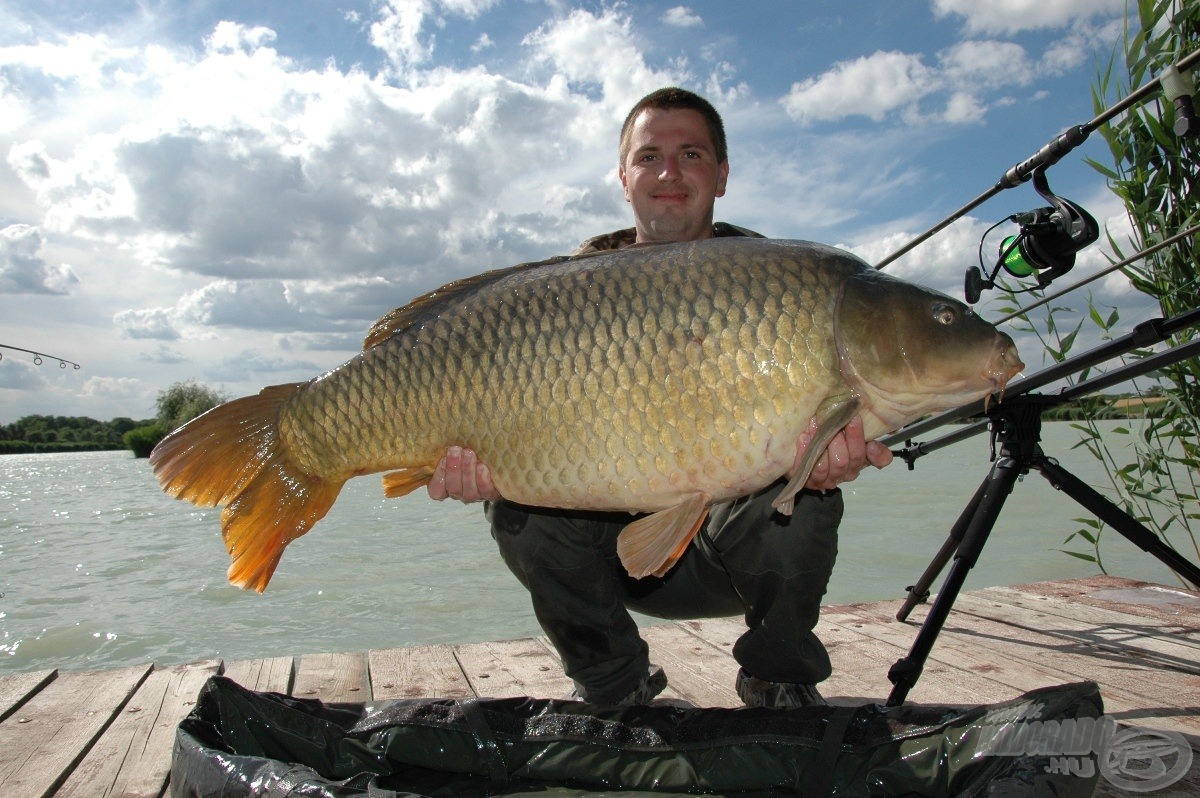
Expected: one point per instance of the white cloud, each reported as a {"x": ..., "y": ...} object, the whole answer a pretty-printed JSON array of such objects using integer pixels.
[
  {"x": 1011, "y": 16},
  {"x": 19, "y": 374},
  {"x": 230, "y": 37},
  {"x": 397, "y": 32},
  {"x": 682, "y": 17},
  {"x": 986, "y": 64},
  {"x": 939, "y": 263},
  {"x": 114, "y": 391},
  {"x": 469, "y": 9},
  {"x": 400, "y": 29},
  {"x": 22, "y": 268},
  {"x": 151, "y": 323},
  {"x": 966, "y": 80},
  {"x": 234, "y": 367},
  {"x": 871, "y": 86},
  {"x": 242, "y": 165},
  {"x": 963, "y": 108},
  {"x": 599, "y": 52}
]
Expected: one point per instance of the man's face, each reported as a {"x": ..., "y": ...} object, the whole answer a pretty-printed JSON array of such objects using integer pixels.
[{"x": 671, "y": 175}]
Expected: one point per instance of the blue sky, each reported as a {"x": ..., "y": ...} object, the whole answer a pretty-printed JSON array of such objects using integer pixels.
[{"x": 232, "y": 192}]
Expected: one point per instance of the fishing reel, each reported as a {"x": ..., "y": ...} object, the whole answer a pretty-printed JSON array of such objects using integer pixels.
[{"x": 1044, "y": 247}]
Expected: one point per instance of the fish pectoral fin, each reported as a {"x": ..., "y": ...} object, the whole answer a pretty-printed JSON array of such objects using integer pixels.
[
  {"x": 833, "y": 414},
  {"x": 405, "y": 481},
  {"x": 650, "y": 546}
]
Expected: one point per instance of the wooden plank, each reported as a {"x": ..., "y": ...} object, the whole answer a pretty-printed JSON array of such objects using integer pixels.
[
  {"x": 41, "y": 742},
  {"x": 16, "y": 688},
  {"x": 133, "y": 757},
  {"x": 1139, "y": 642},
  {"x": 511, "y": 668},
  {"x": 271, "y": 675},
  {"x": 860, "y": 666},
  {"x": 523, "y": 667},
  {"x": 416, "y": 672},
  {"x": 720, "y": 633},
  {"x": 1182, "y": 632},
  {"x": 861, "y": 663},
  {"x": 1167, "y": 604},
  {"x": 333, "y": 678},
  {"x": 699, "y": 672},
  {"x": 1004, "y": 659},
  {"x": 1137, "y": 692},
  {"x": 986, "y": 627}
]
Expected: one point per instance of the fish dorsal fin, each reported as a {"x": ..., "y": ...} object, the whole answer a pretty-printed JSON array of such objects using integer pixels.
[{"x": 436, "y": 301}]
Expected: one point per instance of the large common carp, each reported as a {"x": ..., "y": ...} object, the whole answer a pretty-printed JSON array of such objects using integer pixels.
[{"x": 655, "y": 379}]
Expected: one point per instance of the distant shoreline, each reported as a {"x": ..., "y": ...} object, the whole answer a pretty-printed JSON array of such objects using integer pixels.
[{"x": 25, "y": 447}]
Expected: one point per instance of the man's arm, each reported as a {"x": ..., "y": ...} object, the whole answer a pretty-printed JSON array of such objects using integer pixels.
[{"x": 460, "y": 475}]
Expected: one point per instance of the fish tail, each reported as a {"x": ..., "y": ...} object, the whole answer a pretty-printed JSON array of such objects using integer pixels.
[{"x": 233, "y": 456}]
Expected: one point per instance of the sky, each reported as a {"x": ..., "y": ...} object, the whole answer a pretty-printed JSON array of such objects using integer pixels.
[{"x": 232, "y": 192}]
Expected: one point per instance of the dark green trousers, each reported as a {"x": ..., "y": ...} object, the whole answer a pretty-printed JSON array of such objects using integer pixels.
[{"x": 747, "y": 560}]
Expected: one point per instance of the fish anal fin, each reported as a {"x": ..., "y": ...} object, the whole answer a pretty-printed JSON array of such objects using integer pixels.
[
  {"x": 832, "y": 415},
  {"x": 405, "y": 481},
  {"x": 650, "y": 546}
]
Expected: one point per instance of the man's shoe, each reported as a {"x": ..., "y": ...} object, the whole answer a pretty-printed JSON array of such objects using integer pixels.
[
  {"x": 654, "y": 683},
  {"x": 776, "y": 695}
]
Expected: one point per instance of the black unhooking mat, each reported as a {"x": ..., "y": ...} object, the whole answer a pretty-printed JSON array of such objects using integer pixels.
[{"x": 241, "y": 743}]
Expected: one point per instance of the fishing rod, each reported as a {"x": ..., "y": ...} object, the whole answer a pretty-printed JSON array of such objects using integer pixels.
[
  {"x": 1170, "y": 80},
  {"x": 38, "y": 357}
]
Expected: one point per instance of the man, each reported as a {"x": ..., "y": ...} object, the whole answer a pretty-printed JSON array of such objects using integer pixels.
[{"x": 748, "y": 558}]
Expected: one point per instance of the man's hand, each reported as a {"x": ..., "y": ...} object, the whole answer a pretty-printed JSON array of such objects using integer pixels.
[
  {"x": 847, "y": 455},
  {"x": 460, "y": 475}
]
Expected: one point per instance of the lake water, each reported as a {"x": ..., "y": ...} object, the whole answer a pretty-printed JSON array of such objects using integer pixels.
[{"x": 99, "y": 569}]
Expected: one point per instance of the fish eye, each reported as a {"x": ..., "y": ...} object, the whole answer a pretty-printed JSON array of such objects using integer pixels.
[{"x": 944, "y": 314}]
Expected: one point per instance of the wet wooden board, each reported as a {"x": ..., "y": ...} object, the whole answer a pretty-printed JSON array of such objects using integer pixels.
[{"x": 110, "y": 733}]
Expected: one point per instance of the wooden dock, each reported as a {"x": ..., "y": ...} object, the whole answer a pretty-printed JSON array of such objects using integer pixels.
[{"x": 110, "y": 733}]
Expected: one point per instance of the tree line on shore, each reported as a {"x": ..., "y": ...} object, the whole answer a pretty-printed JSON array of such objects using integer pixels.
[{"x": 177, "y": 405}]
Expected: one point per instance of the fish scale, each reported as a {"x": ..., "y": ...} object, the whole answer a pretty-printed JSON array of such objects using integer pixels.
[{"x": 653, "y": 380}]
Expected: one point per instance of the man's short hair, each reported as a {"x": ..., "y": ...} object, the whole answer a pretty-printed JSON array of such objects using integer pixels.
[{"x": 671, "y": 98}]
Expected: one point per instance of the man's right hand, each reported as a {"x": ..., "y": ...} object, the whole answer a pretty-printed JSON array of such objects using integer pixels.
[{"x": 460, "y": 475}]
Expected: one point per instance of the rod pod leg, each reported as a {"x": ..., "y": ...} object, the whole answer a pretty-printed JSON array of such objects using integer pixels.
[
  {"x": 919, "y": 592},
  {"x": 1133, "y": 531},
  {"x": 995, "y": 490}
]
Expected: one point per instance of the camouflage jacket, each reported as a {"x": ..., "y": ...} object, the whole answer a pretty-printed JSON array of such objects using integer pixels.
[{"x": 619, "y": 239}]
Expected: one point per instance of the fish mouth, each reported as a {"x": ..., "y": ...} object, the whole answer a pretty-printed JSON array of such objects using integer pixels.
[{"x": 1004, "y": 364}]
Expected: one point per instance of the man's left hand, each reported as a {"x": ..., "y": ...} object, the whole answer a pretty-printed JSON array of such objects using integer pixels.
[{"x": 847, "y": 454}]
